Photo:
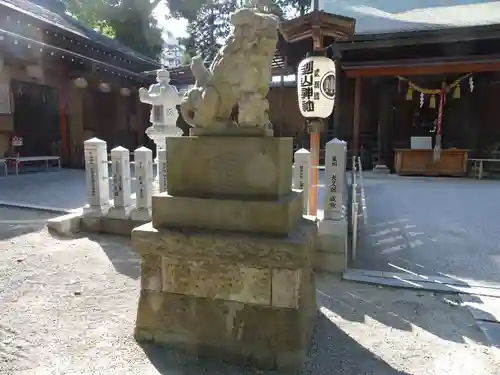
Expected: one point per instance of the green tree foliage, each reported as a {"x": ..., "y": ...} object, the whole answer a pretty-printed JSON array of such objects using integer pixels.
[
  {"x": 128, "y": 21},
  {"x": 210, "y": 28},
  {"x": 294, "y": 8},
  {"x": 208, "y": 20}
]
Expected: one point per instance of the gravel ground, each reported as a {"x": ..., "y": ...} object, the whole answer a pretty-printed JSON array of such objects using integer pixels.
[{"x": 68, "y": 307}]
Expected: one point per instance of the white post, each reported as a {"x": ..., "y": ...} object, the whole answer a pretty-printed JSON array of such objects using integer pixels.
[
  {"x": 120, "y": 169},
  {"x": 335, "y": 175},
  {"x": 162, "y": 170},
  {"x": 332, "y": 254},
  {"x": 144, "y": 184},
  {"x": 96, "y": 176},
  {"x": 301, "y": 174}
]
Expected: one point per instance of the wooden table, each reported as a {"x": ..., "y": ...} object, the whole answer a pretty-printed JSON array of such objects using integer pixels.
[
  {"x": 30, "y": 159},
  {"x": 453, "y": 162}
]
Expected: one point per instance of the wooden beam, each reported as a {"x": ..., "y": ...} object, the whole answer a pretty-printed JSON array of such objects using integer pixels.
[
  {"x": 356, "y": 115},
  {"x": 413, "y": 70}
]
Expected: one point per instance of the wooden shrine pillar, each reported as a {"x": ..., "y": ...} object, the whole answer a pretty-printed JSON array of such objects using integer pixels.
[
  {"x": 385, "y": 115},
  {"x": 356, "y": 116},
  {"x": 315, "y": 131},
  {"x": 63, "y": 93},
  {"x": 337, "y": 108}
]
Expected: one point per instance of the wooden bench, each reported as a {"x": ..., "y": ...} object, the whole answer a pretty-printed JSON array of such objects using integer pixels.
[
  {"x": 4, "y": 163},
  {"x": 30, "y": 159},
  {"x": 478, "y": 166}
]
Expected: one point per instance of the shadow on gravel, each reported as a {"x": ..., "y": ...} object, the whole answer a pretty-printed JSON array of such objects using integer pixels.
[
  {"x": 19, "y": 222},
  {"x": 332, "y": 352},
  {"x": 438, "y": 314},
  {"x": 118, "y": 249},
  {"x": 10, "y": 231}
]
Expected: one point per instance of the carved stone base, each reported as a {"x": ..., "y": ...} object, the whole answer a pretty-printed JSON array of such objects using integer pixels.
[
  {"x": 239, "y": 297},
  {"x": 231, "y": 132},
  {"x": 279, "y": 216},
  {"x": 332, "y": 246},
  {"x": 227, "y": 259},
  {"x": 253, "y": 168}
]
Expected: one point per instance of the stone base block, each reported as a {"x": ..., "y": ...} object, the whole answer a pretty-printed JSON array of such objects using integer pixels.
[
  {"x": 333, "y": 235},
  {"x": 234, "y": 131},
  {"x": 291, "y": 252},
  {"x": 91, "y": 223},
  {"x": 122, "y": 213},
  {"x": 262, "y": 336},
  {"x": 274, "y": 216},
  {"x": 141, "y": 214},
  {"x": 240, "y": 297},
  {"x": 243, "y": 167},
  {"x": 121, "y": 227},
  {"x": 332, "y": 246},
  {"x": 66, "y": 224},
  {"x": 330, "y": 262},
  {"x": 95, "y": 211}
]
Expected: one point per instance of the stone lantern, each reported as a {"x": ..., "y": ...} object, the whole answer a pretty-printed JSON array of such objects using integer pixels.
[{"x": 164, "y": 99}]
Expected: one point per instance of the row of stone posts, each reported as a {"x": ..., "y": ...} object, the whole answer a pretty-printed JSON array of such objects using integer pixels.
[
  {"x": 335, "y": 178},
  {"x": 332, "y": 252},
  {"x": 121, "y": 205}
]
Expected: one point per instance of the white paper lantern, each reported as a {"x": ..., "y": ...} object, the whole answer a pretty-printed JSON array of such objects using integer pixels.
[
  {"x": 104, "y": 87},
  {"x": 80, "y": 82},
  {"x": 316, "y": 86},
  {"x": 125, "y": 91}
]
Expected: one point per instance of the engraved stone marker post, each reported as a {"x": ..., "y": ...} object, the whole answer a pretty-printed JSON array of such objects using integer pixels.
[
  {"x": 333, "y": 229},
  {"x": 335, "y": 174},
  {"x": 96, "y": 176},
  {"x": 120, "y": 169},
  {"x": 301, "y": 174},
  {"x": 162, "y": 170},
  {"x": 144, "y": 184}
]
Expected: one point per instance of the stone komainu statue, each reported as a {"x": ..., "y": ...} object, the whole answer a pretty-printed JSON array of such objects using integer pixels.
[{"x": 238, "y": 77}]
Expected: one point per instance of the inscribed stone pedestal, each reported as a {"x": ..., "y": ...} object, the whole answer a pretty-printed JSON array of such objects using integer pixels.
[
  {"x": 258, "y": 167},
  {"x": 235, "y": 259}
]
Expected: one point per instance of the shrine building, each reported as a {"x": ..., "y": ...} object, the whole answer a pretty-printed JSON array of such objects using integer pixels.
[{"x": 62, "y": 83}]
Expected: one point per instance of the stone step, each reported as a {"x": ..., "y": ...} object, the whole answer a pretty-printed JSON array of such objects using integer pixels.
[{"x": 272, "y": 216}]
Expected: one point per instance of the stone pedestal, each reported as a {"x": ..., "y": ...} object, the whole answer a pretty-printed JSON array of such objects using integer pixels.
[
  {"x": 227, "y": 259},
  {"x": 333, "y": 229},
  {"x": 332, "y": 246}
]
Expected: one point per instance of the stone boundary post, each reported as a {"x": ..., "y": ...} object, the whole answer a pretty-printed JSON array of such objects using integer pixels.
[
  {"x": 144, "y": 183},
  {"x": 96, "y": 175},
  {"x": 120, "y": 169},
  {"x": 332, "y": 252},
  {"x": 335, "y": 176},
  {"x": 301, "y": 175},
  {"x": 162, "y": 170}
]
